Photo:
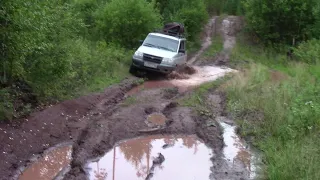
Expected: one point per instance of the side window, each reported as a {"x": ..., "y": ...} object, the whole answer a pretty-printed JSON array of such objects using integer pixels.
[{"x": 182, "y": 45}]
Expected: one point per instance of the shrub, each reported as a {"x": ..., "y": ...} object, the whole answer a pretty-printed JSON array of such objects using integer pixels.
[
  {"x": 193, "y": 14},
  {"x": 125, "y": 22},
  {"x": 308, "y": 52},
  {"x": 280, "y": 21}
]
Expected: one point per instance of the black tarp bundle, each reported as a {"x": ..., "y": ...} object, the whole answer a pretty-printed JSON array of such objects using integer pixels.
[{"x": 173, "y": 28}]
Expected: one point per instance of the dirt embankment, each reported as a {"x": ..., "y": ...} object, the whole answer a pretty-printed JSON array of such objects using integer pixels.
[{"x": 94, "y": 124}]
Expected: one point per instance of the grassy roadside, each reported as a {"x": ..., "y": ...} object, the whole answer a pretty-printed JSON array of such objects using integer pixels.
[{"x": 277, "y": 106}]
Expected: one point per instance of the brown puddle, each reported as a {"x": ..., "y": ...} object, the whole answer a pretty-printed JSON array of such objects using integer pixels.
[
  {"x": 49, "y": 166},
  {"x": 200, "y": 76},
  {"x": 235, "y": 150},
  {"x": 186, "y": 157},
  {"x": 151, "y": 85},
  {"x": 157, "y": 119}
]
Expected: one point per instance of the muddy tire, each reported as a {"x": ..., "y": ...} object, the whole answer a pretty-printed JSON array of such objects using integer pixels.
[{"x": 133, "y": 70}]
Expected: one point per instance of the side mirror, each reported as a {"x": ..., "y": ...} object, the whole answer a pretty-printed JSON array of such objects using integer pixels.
[
  {"x": 182, "y": 51},
  {"x": 140, "y": 41}
]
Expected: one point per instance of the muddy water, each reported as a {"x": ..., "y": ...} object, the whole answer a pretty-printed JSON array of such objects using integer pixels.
[
  {"x": 151, "y": 85},
  {"x": 157, "y": 119},
  {"x": 49, "y": 166},
  {"x": 203, "y": 74},
  {"x": 186, "y": 157},
  {"x": 236, "y": 151}
]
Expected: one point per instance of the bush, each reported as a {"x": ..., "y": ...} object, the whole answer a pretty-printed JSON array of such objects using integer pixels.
[
  {"x": 34, "y": 36},
  {"x": 293, "y": 23},
  {"x": 125, "y": 22},
  {"x": 193, "y": 14},
  {"x": 91, "y": 67},
  {"x": 230, "y": 7},
  {"x": 308, "y": 52},
  {"x": 6, "y": 106}
]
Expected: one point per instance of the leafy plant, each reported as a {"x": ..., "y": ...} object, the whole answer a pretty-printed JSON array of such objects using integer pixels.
[
  {"x": 125, "y": 22},
  {"x": 308, "y": 52},
  {"x": 278, "y": 21}
]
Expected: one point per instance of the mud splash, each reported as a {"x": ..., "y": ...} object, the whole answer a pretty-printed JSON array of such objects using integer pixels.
[
  {"x": 200, "y": 76},
  {"x": 186, "y": 157},
  {"x": 49, "y": 166},
  {"x": 236, "y": 151}
]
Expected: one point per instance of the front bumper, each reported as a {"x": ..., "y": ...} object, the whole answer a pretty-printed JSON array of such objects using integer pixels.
[{"x": 163, "y": 68}]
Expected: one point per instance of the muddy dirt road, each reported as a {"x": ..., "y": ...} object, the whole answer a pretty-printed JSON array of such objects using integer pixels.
[{"x": 133, "y": 131}]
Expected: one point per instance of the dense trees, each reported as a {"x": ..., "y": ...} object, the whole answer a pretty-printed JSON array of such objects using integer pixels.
[{"x": 282, "y": 21}]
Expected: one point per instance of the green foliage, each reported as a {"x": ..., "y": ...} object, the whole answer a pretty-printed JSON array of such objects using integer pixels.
[
  {"x": 89, "y": 65},
  {"x": 308, "y": 52},
  {"x": 34, "y": 35},
  {"x": 191, "y": 13},
  {"x": 230, "y": 7},
  {"x": 41, "y": 45},
  {"x": 6, "y": 106},
  {"x": 279, "y": 21},
  {"x": 215, "y": 48},
  {"x": 125, "y": 22}
]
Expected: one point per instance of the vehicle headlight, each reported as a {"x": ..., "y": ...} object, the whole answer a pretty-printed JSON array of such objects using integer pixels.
[
  {"x": 167, "y": 60},
  {"x": 138, "y": 54}
]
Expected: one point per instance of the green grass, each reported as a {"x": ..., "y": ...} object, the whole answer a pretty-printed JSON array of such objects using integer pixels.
[
  {"x": 130, "y": 101},
  {"x": 215, "y": 48},
  {"x": 282, "y": 116},
  {"x": 101, "y": 82},
  {"x": 196, "y": 100}
]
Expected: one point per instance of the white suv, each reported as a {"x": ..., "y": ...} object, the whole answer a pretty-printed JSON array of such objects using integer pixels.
[{"x": 160, "y": 52}]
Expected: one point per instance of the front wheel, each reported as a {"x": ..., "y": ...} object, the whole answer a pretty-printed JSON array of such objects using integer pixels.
[{"x": 133, "y": 69}]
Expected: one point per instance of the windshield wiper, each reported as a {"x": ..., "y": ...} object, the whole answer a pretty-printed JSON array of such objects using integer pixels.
[
  {"x": 149, "y": 45},
  {"x": 165, "y": 48}
]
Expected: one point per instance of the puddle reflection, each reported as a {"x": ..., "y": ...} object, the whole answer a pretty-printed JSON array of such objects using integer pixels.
[
  {"x": 235, "y": 150},
  {"x": 186, "y": 157},
  {"x": 49, "y": 166}
]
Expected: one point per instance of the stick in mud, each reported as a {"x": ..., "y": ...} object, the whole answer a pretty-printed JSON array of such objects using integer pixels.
[{"x": 156, "y": 162}]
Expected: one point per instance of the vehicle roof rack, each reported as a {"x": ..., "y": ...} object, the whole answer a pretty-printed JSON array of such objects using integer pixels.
[{"x": 173, "y": 29}]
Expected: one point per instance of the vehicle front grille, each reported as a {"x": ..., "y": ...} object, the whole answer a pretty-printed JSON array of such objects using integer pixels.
[{"x": 151, "y": 58}]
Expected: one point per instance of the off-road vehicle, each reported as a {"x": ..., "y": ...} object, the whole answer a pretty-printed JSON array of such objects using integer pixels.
[{"x": 161, "y": 51}]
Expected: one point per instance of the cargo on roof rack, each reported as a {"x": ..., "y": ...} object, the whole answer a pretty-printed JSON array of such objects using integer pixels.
[{"x": 173, "y": 29}]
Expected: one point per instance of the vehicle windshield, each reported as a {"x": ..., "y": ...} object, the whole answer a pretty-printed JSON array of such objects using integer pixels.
[{"x": 161, "y": 43}]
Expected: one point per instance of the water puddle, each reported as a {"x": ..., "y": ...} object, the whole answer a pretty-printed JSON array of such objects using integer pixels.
[
  {"x": 151, "y": 85},
  {"x": 202, "y": 75},
  {"x": 49, "y": 166},
  {"x": 235, "y": 150},
  {"x": 156, "y": 119},
  {"x": 186, "y": 157}
]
